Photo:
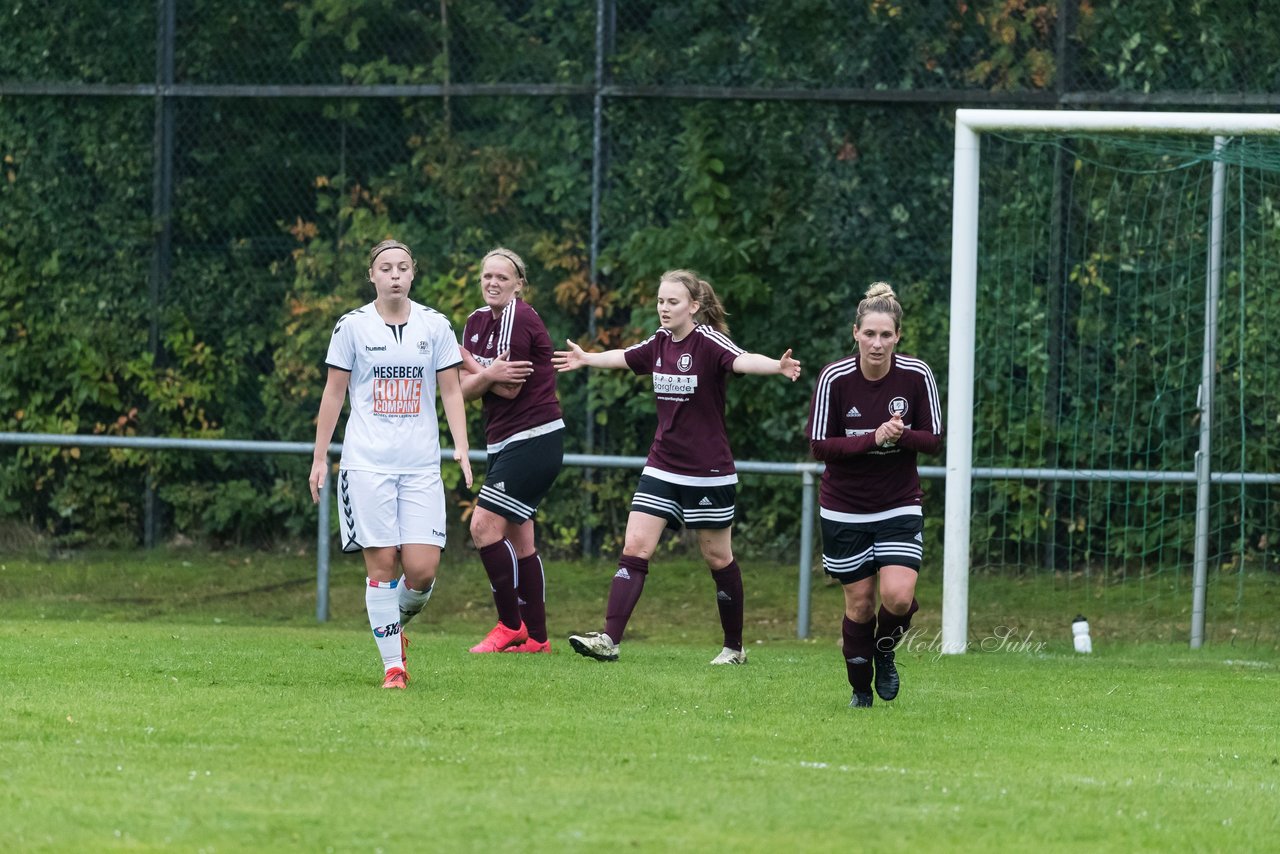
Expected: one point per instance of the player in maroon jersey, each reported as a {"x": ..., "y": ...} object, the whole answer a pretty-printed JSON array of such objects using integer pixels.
[
  {"x": 872, "y": 413},
  {"x": 508, "y": 358},
  {"x": 689, "y": 478}
]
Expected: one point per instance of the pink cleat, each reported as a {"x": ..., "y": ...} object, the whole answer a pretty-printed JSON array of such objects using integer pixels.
[
  {"x": 500, "y": 637},
  {"x": 530, "y": 645},
  {"x": 395, "y": 678}
]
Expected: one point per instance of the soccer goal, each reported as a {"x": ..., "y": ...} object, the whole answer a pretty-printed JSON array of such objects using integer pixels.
[{"x": 1113, "y": 394}]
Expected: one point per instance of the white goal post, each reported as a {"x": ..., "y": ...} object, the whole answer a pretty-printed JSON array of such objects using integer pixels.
[{"x": 970, "y": 124}]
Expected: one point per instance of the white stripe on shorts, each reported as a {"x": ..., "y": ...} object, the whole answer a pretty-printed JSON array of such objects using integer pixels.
[
  {"x": 890, "y": 550},
  {"x": 847, "y": 564},
  {"x": 662, "y": 505},
  {"x": 503, "y": 500},
  {"x": 712, "y": 515}
]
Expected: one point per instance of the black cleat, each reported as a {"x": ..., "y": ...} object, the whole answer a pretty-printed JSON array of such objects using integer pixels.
[
  {"x": 886, "y": 675},
  {"x": 861, "y": 700}
]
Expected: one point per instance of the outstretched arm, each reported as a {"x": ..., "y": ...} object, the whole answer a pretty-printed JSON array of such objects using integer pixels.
[
  {"x": 754, "y": 363},
  {"x": 335, "y": 391},
  {"x": 575, "y": 357},
  {"x": 455, "y": 414}
]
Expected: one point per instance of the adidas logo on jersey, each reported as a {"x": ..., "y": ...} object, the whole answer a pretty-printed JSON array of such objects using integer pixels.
[
  {"x": 853, "y": 413},
  {"x": 705, "y": 502},
  {"x": 658, "y": 362},
  {"x": 919, "y": 538},
  {"x": 502, "y": 485},
  {"x": 622, "y": 573},
  {"x": 475, "y": 338}
]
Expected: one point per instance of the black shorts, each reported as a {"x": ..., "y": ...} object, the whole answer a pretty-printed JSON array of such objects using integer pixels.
[
  {"x": 852, "y": 551},
  {"x": 691, "y": 506},
  {"x": 520, "y": 475}
]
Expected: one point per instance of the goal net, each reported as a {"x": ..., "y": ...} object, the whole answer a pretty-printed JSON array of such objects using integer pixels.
[{"x": 1114, "y": 401}]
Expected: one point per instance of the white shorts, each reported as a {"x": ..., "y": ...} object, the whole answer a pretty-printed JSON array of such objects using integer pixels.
[{"x": 380, "y": 510}]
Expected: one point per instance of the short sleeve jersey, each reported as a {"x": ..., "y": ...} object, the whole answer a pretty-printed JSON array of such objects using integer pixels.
[
  {"x": 845, "y": 403},
  {"x": 689, "y": 376},
  {"x": 393, "y": 428},
  {"x": 520, "y": 332}
]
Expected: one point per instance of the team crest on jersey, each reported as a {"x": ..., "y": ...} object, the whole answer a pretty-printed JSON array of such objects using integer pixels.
[
  {"x": 898, "y": 407},
  {"x": 685, "y": 362},
  {"x": 422, "y": 348}
]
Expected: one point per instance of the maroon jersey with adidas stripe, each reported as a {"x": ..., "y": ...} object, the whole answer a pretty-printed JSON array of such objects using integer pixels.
[
  {"x": 689, "y": 376},
  {"x": 521, "y": 333},
  {"x": 862, "y": 478}
]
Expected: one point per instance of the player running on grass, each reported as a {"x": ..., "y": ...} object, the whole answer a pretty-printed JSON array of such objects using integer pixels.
[
  {"x": 689, "y": 478},
  {"x": 509, "y": 367},
  {"x": 871, "y": 414},
  {"x": 389, "y": 356}
]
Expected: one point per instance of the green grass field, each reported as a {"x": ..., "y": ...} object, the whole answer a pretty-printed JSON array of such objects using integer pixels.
[{"x": 179, "y": 701}]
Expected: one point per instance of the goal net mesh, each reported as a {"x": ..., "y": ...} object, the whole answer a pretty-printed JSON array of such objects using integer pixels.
[{"x": 1091, "y": 315}]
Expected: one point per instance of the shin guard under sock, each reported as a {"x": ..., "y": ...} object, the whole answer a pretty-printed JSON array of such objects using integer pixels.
[
  {"x": 729, "y": 601},
  {"x": 624, "y": 593},
  {"x": 531, "y": 596},
  {"x": 858, "y": 646},
  {"x": 499, "y": 562}
]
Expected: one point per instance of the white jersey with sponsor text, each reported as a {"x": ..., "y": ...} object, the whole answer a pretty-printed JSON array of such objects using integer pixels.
[{"x": 393, "y": 427}]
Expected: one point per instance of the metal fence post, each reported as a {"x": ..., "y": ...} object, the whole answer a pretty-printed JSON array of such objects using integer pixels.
[
  {"x": 322, "y": 548},
  {"x": 806, "y": 554}
]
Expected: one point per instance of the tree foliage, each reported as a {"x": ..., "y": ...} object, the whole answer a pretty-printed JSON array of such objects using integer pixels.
[{"x": 789, "y": 207}]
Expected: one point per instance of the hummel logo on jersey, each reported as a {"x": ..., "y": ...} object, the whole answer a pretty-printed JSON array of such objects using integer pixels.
[
  {"x": 502, "y": 485},
  {"x": 853, "y": 413},
  {"x": 622, "y": 573},
  {"x": 705, "y": 502},
  {"x": 723, "y": 596},
  {"x": 381, "y": 349}
]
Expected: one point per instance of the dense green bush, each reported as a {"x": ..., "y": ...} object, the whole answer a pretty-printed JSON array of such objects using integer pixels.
[{"x": 790, "y": 207}]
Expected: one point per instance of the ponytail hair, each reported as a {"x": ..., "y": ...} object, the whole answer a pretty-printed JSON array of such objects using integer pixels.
[
  {"x": 710, "y": 310},
  {"x": 880, "y": 299}
]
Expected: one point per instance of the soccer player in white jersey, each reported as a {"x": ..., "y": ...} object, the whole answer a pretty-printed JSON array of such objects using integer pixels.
[
  {"x": 689, "y": 477},
  {"x": 389, "y": 356},
  {"x": 872, "y": 413},
  {"x": 513, "y": 376}
]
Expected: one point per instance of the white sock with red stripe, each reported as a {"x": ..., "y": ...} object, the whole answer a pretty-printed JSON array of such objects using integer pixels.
[{"x": 382, "y": 603}]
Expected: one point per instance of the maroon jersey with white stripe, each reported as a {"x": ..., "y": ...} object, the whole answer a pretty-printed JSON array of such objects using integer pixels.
[
  {"x": 847, "y": 408},
  {"x": 689, "y": 379},
  {"x": 521, "y": 333}
]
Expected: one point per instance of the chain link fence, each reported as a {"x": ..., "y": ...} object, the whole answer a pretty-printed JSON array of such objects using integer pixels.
[{"x": 188, "y": 191}]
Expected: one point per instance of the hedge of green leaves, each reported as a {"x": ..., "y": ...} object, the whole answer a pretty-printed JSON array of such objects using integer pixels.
[{"x": 790, "y": 207}]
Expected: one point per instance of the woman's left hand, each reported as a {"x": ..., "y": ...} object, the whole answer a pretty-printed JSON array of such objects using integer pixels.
[
  {"x": 461, "y": 458},
  {"x": 789, "y": 367}
]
